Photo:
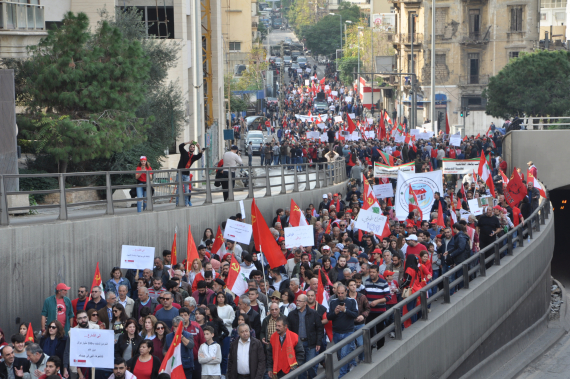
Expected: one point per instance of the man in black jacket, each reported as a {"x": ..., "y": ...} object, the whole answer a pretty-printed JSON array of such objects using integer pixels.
[
  {"x": 342, "y": 312},
  {"x": 246, "y": 309},
  {"x": 435, "y": 206},
  {"x": 18, "y": 366},
  {"x": 187, "y": 158},
  {"x": 253, "y": 355},
  {"x": 307, "y": 324},
  {"x": 143, "y": 301},
  {"x": 458, "y": 250}
]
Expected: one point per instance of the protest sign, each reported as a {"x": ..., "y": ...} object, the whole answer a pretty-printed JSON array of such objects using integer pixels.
[
  {"x": 299, "y": 236},
  {"x": 371, "y": 220},
  {"x": 337, "y": 118},
  {"x": 464, "y": 214},
  {"x": 460, "y": 166},
  {"x": 478, "y": 206},
  {"x": 322, "y": 126},
  {"x": 313, "y": 135},
  {"x": 414, "y": 132},
  {"x": 324, "y": 137},
  {"x": 334, "y": 93},
  {"x": 352, "y": 116},
  {"x": 455, "y": 140},
  {"x": 426, "y": 135},
  {"x": 370, "y": 121},
  {"x": 299, "y": 70},
  {"x": 91, "y": 348},
  {"x": 238, "y": 231},
  {"x": 348, "y": 99},
  {"x": 369, "y": 134},
  {"x": 424, "y": 185},
  {"x": 306, "y": 82},
  {"x": 383, "y": 191},
  {"x": 400, "y": 138},
  {"x": 242, "y": 209},
  {"x": 385, "y": 171},
  {"x": 137, "y": 257},
  {"x": 327, "y": 87},
  {"x": 307, "y": 70}
]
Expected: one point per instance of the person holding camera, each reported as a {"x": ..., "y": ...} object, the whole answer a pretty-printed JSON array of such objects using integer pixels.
[
  {"x": 342, "y": 312},
  {"x": 231, "y": 159},
  {"x": 187, "y": 158}
]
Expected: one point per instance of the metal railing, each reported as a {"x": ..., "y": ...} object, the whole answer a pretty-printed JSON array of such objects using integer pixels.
[
  {"x": 406, "y": 38},
  {"x": 165, "y": 184},
  {"x": 463, "y": 274},
  {"x": 473, "y": 80},
  {"x": 15, "y": 16}
]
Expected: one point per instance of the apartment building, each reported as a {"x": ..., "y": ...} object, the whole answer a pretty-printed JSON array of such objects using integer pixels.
[{"x": 239, "y": 28}]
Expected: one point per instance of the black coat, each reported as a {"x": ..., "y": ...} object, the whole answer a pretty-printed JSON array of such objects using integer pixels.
[
  {"x": 59, "y": 348},
  {"x": 122, "y": 344},
  {"x": 256, "y": 359},
  {"x": 313, "y": 326},
  {"x": 254, "y": 321},
  {"x": 18, "y": 362},
  {"x": 220, "y": 331}
]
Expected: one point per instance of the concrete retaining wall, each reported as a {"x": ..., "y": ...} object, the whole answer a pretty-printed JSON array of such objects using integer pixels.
[
  {"x": 547, "y": 149},
  {"x": 35, "y": 258},
  {"x": 478, "y": 321}
]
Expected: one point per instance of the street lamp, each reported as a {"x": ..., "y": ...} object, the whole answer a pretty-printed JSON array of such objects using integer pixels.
[
  {"x": 334, "y": 14},
  {"x": 359, "y": 28}
]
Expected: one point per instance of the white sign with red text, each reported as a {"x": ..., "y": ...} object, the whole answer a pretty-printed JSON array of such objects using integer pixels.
[{"x": 137, "y": 257}]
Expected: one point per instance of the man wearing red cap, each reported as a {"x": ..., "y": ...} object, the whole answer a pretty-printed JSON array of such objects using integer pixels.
[{"x": 58, "y": 307}]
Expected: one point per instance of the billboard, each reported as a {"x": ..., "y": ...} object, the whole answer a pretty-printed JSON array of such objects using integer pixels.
[{"x": 385, "y": 22}]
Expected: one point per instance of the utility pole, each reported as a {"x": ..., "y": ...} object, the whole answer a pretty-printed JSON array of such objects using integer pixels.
[
  {"x": 413, "y": 115},
  {"x": 433, "y": 67},
  {"x": 281, "y": 79}
]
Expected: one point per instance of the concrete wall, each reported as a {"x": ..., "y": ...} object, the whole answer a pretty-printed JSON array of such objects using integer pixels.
[
  {"x": 478, "y": 321},
  {"x": 35, "y": 258},
  {"x": 548, "y": 149}
]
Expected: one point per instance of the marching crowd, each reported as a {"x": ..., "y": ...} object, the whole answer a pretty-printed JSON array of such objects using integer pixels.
[{"x": 290, "y": 313}]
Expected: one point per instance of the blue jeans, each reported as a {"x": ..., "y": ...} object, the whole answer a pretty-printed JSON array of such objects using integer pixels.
[
  {"x": 299, "y": 160},
  {"x": 434, "y": 277},
  {"x": 275, "y": 160},
  {"x": 347, "y": 349},
  {"x": 434, "y": 163},
  {"x": 310, "y": 353},
  {"x": 225, "y": 354},
  {"x": 185, "y": 178},
  {"x": 249, "y": 158},
  {"x": 141, "y": 192},
  {"x": 262, "y": 158},
  {"x": 359, "y": 342},
  {"x": 283, "y": 159}
]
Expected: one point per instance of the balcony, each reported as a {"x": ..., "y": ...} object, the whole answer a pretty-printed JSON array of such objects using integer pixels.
[
  {"x": 406, "y": 38},
  {"x": 18, "y": 17},
  {"x": 406, "y": 2},
  {"x": 475, "y": 38},
  {"x": 474, "y": 80}
]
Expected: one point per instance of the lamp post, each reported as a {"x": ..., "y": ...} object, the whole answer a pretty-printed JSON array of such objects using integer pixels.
[
  {"x": 334, "y": 14},
  {"x": 435, "y": 129}
]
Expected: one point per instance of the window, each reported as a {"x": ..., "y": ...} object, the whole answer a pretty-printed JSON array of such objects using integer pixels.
[
  {"x": 412, "y": 27},
  {"x": 513, "y": 54},
  {"x": 159, "y": 21},
  {"x": 474, "y": 23},
  {"x": 516, "y": 19},
  {"x": 543, "y": 17},
  {"x": 235, "y": 46},
  {"x": 474, "y": 103},
  {"x": 553, "y": 3},
  {"x": 560, "y": 16},
  {"x": 440, "y": 20},
  {"x": 473, "y": 68}
]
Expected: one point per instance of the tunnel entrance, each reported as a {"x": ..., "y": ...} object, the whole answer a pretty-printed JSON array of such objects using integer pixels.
[{"x": 560, "y": 199}]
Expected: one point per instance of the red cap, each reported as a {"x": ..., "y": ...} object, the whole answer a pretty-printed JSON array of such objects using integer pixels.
[
  {"x": 377, "y": 251},
  {"x": 280, "y": 239},
  {"x": 387, "y": 273},
  {"x": 62, "y": 286},
  {"x": 497, "y": 207}
]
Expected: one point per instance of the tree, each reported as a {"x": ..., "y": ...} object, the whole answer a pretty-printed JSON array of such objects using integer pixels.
[
  {"x": 252, "y": 77},
  {"x": 347, "y": 67},
  {"x": 263, "y": 32},
  {"x": 533, "y": 85},
  {"x": 88, "y": 86}
]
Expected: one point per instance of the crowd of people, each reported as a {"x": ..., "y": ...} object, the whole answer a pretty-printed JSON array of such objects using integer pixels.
[{"x": 291, "y": 313}]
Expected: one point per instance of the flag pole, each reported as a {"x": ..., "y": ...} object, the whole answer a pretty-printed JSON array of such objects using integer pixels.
[{"x": 264, "y": 280}]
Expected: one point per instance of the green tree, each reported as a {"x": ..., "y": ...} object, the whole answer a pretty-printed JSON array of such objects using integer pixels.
[
  {"x": 263, "y": 32},
  {"x": 252, "y": 77},
  {"x": 534, "y": 85},
  {"x": 88, "y": 86},
  {"x": 347, "y": 67}
]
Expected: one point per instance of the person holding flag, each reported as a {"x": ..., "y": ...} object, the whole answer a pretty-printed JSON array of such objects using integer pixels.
[{"x": 179, "y": 358}]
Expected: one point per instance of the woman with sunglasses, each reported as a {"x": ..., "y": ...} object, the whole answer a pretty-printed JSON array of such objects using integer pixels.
[
  {"x": 144, "y": 365},
  {"x": 119, "y": 319},
  {"x": 160, "y": 331},
  {"x": 53, "y": 340},
  {"x": 116, "y": 281},
  {"x": 94, "y": 318},
  {"x": 128, "y": 343}
]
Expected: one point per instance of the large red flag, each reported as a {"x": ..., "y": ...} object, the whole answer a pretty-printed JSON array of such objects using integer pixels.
[
  {"x": 516, "y": 190},
  {"x": 297, "y": 217},
  {"x": 440, "y": 220},
  {"x": 323, "y": 299},
  {"x": 30, "y": 334},
  {"x": 97, "y": 282},
  {"x": 264, "y": 240},
  {"x": 173, "y": 260},
  {"x": 382, "y": 128},
  {"x": 446, "y": 124},
  {"x": 219, "y": 247},
  {"x": 351, "y": 126},
  {"x": 191, "y": 251}
]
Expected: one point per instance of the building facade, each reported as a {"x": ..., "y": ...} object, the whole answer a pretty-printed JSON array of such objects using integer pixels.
[
  {"x": 239, "y": 28},
  {"x": 474, "y": 40}
]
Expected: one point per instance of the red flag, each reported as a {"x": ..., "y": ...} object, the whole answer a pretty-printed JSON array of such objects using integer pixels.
[
  {"x": 172, "y": 363},
  {"x": 297, "y": 218},
  {"x": 173, "y": 250},
  {"x": 387, "y": 157},
  {"x": 440, "y": 220},
  {"x": 413, "y": 202},
  {"x": 351, "y": 126},
  {"x": 97, "y": 282},
  {"x": 30, "y": 333},
  {"x": 322, "y": 81},
  {"x": 368, "y": 196},
  {"x": 516, "y": 190},
  {"x": 323, "y": 299},
  {"x": 446, "y": 124},
  {"x": 382, "y": 128},
  {"x": 191, "y": 251},
  {"x": 219, "y": 247},
  {"x": 328, "y": 229},
  {"x": 478, "y": 135},
  {"x": 264, "y": 239}
]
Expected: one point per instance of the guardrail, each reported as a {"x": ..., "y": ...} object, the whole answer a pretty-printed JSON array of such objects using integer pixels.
[
  {"x": 469, "y": 268},
  {"x": 324, "y": 174}
]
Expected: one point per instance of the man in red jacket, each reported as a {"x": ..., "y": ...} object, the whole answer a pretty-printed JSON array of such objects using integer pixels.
[{"x": 80, "y": 303}]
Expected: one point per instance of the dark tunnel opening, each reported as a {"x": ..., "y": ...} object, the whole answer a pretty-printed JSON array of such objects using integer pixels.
[{"x": 561, "y": 259}]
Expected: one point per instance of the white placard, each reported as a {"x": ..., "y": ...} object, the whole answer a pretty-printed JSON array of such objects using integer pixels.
[
  {"x": 299, "y": 70},
  {"x": 477, "y": 206},
  {"x": 242, "y": 209},
  {"x": 137, "y": 257},
  {"x": 327, "y": 87},
  {"x": 308, "y": 69},
  {"x": 455, "y": 140},
  {"x": 414, "y": 132},
  {"x": 322, "y": 126},
  {"x": 400, "y": 138},
  {"x": 464, "y": 214},
  {"x": 370, "y": 121},
  {"x": 352, "y": 116},
  {"x": 299, "y": 236},
  {"x": 91, "y": 348},
  {"x": 371, "y": 220},
  {"x": 348, "y": 99},
  {"x": 382, "y": 191},
  {"x": 334, "y": 93},
  {"x": 324, "y": 138},
  {"x": 306, "y": 82},
  {"x": 426, "y": 135},
  {"x": 369, "y": 134},
  {"x": 238, "y": 231},
  {"x": 313, "y": 135},
  {"x": 337, "y": 118},
  {"x": 460, "y": 166}
]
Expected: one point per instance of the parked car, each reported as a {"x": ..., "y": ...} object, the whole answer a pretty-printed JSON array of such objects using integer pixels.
[
  {"x": 256, "y": 137},
  {"x": 302, "y": 61},
  {"x": 287, "y": 60}
]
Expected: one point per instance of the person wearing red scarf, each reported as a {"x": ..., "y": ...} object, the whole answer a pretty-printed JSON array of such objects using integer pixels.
[{"x": 283, "y": 352}]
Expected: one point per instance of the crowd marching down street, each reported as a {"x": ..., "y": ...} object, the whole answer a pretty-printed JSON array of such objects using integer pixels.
[{"x": 229, "y": 311}]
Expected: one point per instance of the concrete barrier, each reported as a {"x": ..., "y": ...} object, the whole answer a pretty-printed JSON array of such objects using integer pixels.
[
  {"x": 37, "y": 257},
  {"x": 478, "y": 321}
]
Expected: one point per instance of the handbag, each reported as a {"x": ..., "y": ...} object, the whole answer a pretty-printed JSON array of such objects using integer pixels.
[{"x": 408, "y": 291}]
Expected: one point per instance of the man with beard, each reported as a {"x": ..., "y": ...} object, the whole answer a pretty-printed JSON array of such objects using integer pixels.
[
  {"x": 82, "y": 323},
  {"x": 53, "y": 365}
]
